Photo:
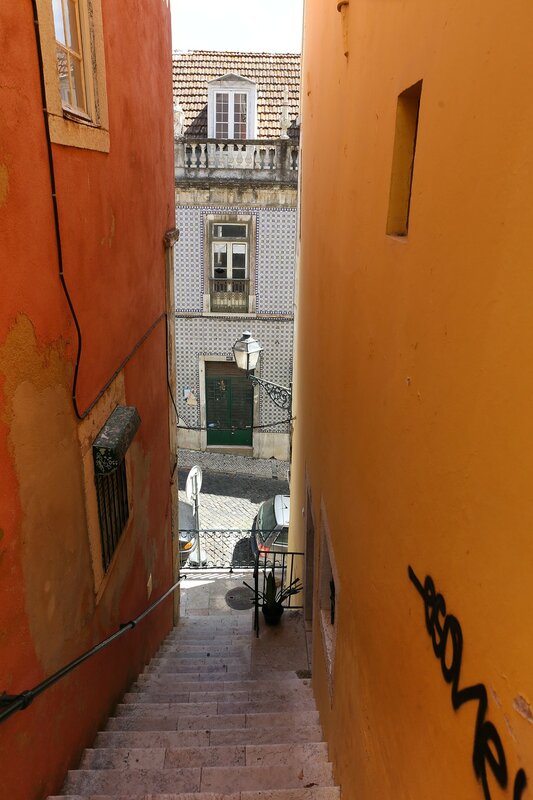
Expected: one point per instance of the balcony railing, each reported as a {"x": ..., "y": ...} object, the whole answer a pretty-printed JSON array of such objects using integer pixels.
[
  {"x": 262, "y": 159},
  {"x": 229, "y": 295}
]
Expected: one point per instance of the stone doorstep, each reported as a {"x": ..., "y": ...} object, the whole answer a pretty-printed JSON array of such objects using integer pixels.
[
  {"x": 311, "y": 793},
  {"x": 194, "y": 779},
  {"x": 265, "y": 755},
  {"x": 206, "y": 738}
]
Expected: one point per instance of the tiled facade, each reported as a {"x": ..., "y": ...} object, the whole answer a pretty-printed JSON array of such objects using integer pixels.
[
  {"x": 275, "y": 253},
  {"x": 267, "y": 201},
  {"x": 199, "y": 335}
]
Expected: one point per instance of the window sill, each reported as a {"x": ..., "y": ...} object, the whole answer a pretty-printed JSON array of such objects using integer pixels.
[{"x": 78, "y": 132}]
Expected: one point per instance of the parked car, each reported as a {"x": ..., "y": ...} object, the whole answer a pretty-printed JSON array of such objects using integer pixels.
[
  {"x": 188, "y": 538},
  {"x": 270, "y": 528}
]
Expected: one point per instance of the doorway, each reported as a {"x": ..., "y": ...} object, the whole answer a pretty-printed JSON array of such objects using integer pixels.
[{"x": 229, "y": 405}]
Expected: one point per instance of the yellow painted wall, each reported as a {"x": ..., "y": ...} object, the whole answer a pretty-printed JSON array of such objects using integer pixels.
[{"x": 414, "y": 374}]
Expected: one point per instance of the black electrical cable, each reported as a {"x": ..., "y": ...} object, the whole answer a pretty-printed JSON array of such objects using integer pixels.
[
  {"x": 54, "y": 203},
  {"x": 79, "y": 414},
  {"x": 244, "y": 428}
]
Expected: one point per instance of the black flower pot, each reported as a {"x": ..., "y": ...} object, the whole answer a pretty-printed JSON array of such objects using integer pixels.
[{"x": 272, "y": 613}]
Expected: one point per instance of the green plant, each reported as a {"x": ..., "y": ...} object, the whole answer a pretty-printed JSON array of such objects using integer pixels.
[{"x": 273, "y": 596}]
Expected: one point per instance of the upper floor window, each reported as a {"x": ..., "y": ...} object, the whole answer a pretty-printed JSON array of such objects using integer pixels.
[
  {"x": 231, "y": 108},
  {"x": 69, "y": 54},
  {"x": 230, "y": 243},
  {"x": 231, "y": 115},
  {"x": 72, "y": 44}
]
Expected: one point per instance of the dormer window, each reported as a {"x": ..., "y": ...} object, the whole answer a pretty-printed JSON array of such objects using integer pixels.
[{"x": 231, "y": 108}]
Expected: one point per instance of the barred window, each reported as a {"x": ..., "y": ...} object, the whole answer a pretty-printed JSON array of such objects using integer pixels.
[
  {"x": 113, "y": 509},
  {"x": 109, "y": 455}
]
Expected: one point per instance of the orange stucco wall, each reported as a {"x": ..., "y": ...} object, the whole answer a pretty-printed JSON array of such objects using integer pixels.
[
  {"x": 414, "y": 379},
  {"x": 113, "y": 211}
]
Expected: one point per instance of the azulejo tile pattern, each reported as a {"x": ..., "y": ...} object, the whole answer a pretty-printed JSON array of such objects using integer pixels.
[
  {"x": 214, "y": 336},
  {"x": 275, "y": 260},
  {"x": 206, "y": 335},
  {"x": 275, "y": 257}
]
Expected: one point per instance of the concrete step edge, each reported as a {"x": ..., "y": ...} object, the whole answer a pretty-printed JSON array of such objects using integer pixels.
[{"x": 309, "y": 793}]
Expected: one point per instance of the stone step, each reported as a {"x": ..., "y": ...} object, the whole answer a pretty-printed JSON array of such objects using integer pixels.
[
  {"x": 195, "y": 779},
  {"x": 255, "y": 705},
  {"x": 184, "y": 669},
  {"x": 168, "y": 721},
  {"x": 169, "y": 695},
  {"x": 195, "y": 632},
  {"x": 279, "y": 678},
  {"x": 308, "y": 793},
  {"x": 265, "y": 755},
  {"x": 180, "y": 634},
  {"x": 213, "y": 737},
  {"x": 153, "y": 682},
  {"x": 205, "y": 641},
  {"x": 201, "y": 651},
  {"x": 201, "y": 661}
]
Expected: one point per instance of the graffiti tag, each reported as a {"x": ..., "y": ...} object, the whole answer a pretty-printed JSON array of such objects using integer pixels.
[{"x": 447, "y": 639}]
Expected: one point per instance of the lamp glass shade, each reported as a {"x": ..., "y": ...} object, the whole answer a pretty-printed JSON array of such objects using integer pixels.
[{"x": 246, "y": 352}]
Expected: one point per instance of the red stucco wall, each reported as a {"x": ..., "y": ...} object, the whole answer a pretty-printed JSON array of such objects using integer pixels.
[{"x": 113, "y": 210}]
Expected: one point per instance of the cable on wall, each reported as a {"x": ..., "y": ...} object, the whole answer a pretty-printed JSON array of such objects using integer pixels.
[{"x": 79, "y": 414}]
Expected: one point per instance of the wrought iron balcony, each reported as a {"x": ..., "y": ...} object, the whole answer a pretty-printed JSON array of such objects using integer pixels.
[
  {"x": 273, "y": 160},
  {"x": 229, "y": 295}
]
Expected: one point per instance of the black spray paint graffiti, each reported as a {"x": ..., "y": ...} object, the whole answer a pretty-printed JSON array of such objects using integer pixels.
[{"x": 447, "y": 639}]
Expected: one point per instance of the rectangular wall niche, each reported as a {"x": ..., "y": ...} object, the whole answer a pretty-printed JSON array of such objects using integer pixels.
[{"x": 403, "y": 160}]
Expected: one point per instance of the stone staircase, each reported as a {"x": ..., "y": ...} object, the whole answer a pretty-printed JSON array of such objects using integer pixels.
[{"x": 198, "y": 725}]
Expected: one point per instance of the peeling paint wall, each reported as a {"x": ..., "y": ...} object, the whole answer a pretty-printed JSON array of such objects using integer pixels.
[
  {"x": 114, "y": 208},
  {"x": 414, "y": 378}
]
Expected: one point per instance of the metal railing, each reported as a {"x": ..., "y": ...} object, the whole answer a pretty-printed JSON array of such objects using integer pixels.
[
  {"x": 286, "y": 567},
  {"x": 10, "y": 704},
  {"x": 215, "y": 548},
  {"x": 229, "y": 294}
]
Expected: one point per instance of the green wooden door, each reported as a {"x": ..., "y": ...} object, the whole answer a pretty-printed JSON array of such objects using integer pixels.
[{"x": 229, "y": 410}]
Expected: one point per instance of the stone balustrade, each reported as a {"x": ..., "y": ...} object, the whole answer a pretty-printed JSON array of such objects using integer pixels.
[{"x": 255, "y": 160}]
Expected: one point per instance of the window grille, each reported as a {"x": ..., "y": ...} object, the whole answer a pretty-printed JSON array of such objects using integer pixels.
[
  {"x": 113, "y": 509},
  {"x": 109, "y": 453}
]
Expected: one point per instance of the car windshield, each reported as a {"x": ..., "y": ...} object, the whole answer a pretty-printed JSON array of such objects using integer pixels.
[{"x": 266, "y": 518}]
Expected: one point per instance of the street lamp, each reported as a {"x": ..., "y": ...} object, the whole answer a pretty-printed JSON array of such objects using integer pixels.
[{"x": 246, "y": 353}]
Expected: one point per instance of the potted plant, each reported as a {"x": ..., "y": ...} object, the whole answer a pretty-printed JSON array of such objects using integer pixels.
[{"x": 272, "y": 598}]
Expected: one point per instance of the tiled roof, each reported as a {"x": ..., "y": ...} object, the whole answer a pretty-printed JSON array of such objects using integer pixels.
[{"x": 272, "y": 72}]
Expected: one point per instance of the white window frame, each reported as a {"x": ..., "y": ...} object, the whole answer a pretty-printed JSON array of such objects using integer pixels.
[
  {"x": 249, "y": 241},
  {"x": 230, "y": 243},
  {"x": 69, "y": 126},
  {"x": 232, "y": 85}
]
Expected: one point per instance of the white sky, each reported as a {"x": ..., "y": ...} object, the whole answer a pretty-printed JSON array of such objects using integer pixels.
[{"x": 273, "y": 26}]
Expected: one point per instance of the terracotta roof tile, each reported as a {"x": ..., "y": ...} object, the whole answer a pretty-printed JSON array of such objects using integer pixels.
[{"x": 272, "y": 72}]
